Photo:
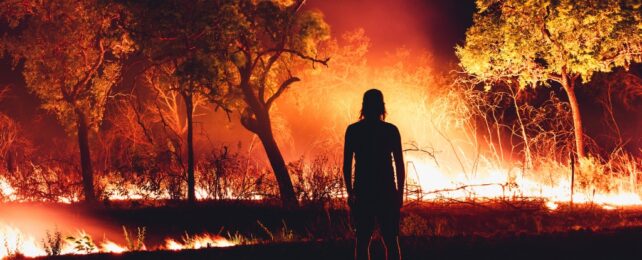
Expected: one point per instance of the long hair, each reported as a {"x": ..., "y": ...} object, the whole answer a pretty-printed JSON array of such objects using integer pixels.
[{"x": 373, "y": 106}]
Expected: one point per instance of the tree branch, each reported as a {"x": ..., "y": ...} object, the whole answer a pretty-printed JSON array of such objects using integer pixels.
[
  {"x": 266, "y": 71},
  {"x": 297, "y": 53},
  {"x": 90, "y": 73},
  {"x": 280, "y": 91}
]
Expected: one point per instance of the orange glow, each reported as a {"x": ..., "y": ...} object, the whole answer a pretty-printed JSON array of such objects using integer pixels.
[{"x": 198, "y": 241}]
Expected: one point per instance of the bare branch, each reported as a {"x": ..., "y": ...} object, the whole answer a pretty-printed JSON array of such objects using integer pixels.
[
  {"x": 314, "y": 60},
  {"x": 280, "y": 91}
]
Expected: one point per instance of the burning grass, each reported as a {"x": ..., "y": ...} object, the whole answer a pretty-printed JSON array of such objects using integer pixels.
[{"x": 224, "y": 224}]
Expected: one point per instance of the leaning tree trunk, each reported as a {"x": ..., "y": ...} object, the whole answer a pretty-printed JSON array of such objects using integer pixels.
[
  {"x": 277, "y": 162},
  {"x": 191, "y": 182},
  {"x": 256, "y": 119},
  {"x": 85, "y": 157},
  {"x": 569, "y": 88}
]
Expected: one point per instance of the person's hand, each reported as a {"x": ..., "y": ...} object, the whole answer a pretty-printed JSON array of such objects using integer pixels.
[{"x": 351, "y": 200}]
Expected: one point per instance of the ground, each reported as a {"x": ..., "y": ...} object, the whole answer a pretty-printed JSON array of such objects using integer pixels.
[
  {"x": 513, "y": 229},
  {"x": 617, "y": 244}
]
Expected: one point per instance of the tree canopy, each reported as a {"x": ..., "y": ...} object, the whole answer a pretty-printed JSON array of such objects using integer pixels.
[
  {"x": 73, "y": 53},
  {"x": 534, "y": 40},
  {"x": 536, "y": 43}
]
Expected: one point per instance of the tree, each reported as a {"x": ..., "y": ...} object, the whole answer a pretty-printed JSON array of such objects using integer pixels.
[
  {"x": 536, "y": 43},
  {"x": 176, "y": 107},
  {"x": 179, "y": 43},
  {"x": 73, "y": 53},
  {"x": 264, "y": 41}
]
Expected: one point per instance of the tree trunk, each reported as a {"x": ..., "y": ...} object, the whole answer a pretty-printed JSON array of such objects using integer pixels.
[
  {"x": 257, "y": 119},
  {"x": 569, "y": 88},
  {"x": 191, "y": 182},
  {"x": 85, "y": 157},
  {"x": 277, "y": 162}
]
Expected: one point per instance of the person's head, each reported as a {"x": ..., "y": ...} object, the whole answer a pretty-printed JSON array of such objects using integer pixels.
[{"x": 373, "y": 106}]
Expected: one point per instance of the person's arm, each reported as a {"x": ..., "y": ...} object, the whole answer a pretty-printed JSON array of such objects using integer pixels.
[
  {"x": 400, "y": 168},
  {"x": 348, "y": 152}
]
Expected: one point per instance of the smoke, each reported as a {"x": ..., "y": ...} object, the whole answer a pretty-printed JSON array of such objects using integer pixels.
[
  {"x": 38, "y": 219},
  {"x": 436, "y": 25},
  {"x": 405, "y": 44}
]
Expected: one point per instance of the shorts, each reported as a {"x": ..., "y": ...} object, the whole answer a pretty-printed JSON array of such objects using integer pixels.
[{"x": 384, "y": 211}]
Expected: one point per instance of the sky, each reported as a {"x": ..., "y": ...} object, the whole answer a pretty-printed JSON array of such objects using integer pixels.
[{"x": 433, "y": 25}]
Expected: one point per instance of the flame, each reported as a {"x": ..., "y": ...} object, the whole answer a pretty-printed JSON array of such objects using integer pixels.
[
  {"x": 608, "y": 207},
  {"x": 14, "y": 242},
  {"x": 495, "y": 183},
  {"x": 7, "y": 192},
  {"x": 551, "y": 205},
  {"x": 111, "y": 247},
  {"x": 198, "y": 241}
]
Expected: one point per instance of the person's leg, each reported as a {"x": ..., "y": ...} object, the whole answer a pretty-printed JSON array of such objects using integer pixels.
[
  {"x": 389, "y": 223},
  {"x": 392, "y": 247},
  {"x": 362, "y": 244},
  {"x": 364, "y": 224}
]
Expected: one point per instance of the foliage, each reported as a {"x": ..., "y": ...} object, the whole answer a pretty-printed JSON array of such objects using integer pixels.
[
  {"x": 534, "y": 41},
  {"x": 416, "y": 225},
  {"x": 44, "y": 179},
  {"x": 82, "y": 243},
  {"x": 14, "y": 145},
  {"x": 137, "y": 242},
  {"x": 318, "y": 180},
  {"x": 233, "y": 175},
  {"x": 71, "y": 61},
  {"x": 141, "y": 147},
  {"x": 284, "y": 234},
  {"x": 53, "y": 243},
  {"x": 182, "y": 46},
  {"x": 169, "y": 104},
  {"x": 263, "y": 41},
  {"x": 531, "y": 43},
  {"x": 179, "y": 40}
]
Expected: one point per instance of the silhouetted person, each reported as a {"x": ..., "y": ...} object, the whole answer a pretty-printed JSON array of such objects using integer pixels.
[{"x": 375, "y": 195}]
